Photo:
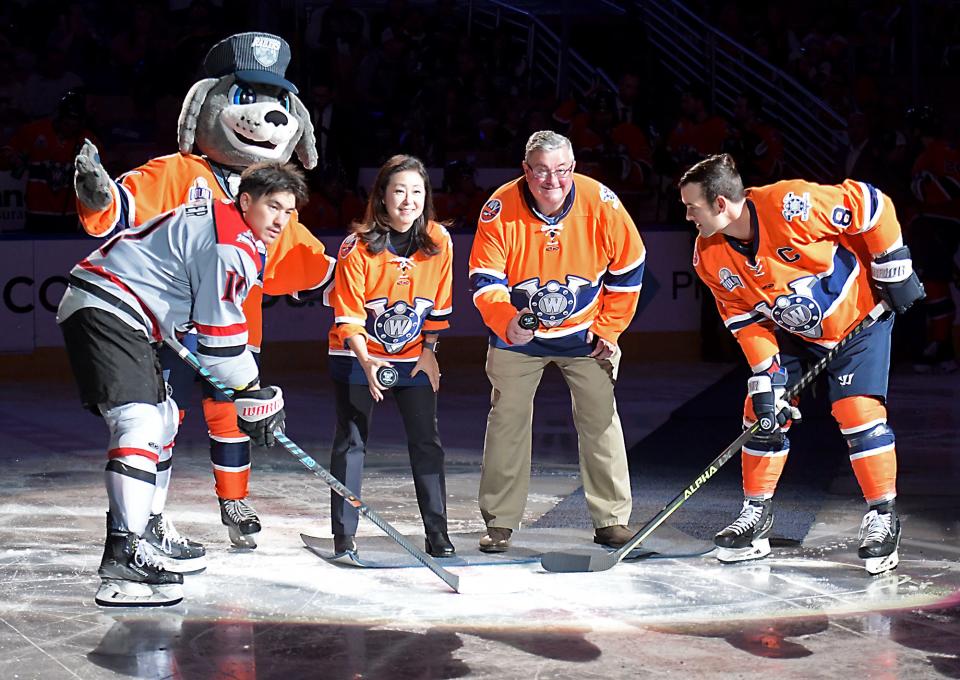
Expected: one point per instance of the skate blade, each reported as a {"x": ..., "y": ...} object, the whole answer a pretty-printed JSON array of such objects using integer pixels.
[
  {"x": 760, "y": 548},
  {"x": 240, "y": 540},
  {"x": 119, "y": 593},
  {"x": 879, "y": 565},
  {"x": 189, "y": 566}
]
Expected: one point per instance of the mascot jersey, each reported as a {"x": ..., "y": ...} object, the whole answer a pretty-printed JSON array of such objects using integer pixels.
[
  {"x": 191, "y": 266},
  {"x": 807, "y": 269},
  {"x": 391, "y": 299},
  {"x": 295, "y": 261},
  {"x": 579, "y": 271}
]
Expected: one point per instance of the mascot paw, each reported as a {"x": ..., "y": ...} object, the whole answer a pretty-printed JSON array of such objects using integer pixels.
[{"x": 91, "y": 181}]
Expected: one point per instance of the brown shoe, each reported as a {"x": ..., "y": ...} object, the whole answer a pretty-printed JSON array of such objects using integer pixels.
[
  {"x": 495, "y": 540},
  {"x": 614, "y": 536}
]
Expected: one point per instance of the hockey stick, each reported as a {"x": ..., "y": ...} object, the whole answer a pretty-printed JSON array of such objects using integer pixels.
[
  {"x": 584, "y": 561},
  {"x": 423, "y": 558}
]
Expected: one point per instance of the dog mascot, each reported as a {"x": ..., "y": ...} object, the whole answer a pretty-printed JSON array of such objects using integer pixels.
[{"x": 245, "y": 111}]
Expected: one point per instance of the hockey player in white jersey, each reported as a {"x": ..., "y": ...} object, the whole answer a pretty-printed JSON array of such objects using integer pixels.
[{"x": 189, "y": 268}]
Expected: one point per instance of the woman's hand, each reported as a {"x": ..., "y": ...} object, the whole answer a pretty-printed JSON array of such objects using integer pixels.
[
  {"x": 370, "y": 366},
  {"x": 428, "y": 364}
]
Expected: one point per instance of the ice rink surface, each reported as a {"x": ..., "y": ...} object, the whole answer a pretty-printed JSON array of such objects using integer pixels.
[{"x": 280, "y": 611}]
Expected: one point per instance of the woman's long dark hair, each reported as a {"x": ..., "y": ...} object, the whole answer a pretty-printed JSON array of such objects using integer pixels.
[{"x": 375, "y": 227}]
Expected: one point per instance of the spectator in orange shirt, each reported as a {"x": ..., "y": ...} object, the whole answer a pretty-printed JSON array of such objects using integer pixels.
[{"x": 45, "y": 149}]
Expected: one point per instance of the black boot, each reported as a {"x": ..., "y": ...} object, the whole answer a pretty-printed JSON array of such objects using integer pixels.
[
  {"x": 437, "y": 544},
  {"x": 344, "y": 543}
]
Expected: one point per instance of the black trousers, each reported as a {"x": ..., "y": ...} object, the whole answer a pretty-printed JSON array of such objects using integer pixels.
[{"x": 418, "y": 407}]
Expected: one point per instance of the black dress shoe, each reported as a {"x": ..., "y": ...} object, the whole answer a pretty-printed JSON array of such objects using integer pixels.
[
  {"x": 437, "y": 544},
  {"x": 343, "y": 543}
]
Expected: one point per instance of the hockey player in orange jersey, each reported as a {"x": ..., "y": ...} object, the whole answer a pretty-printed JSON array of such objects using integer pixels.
[
  {"x": 560, "y": 246},
  {"x": 393, "y": 296},
  {"x": 793, "y": 267},
  {"x": 244, "y": 112}
]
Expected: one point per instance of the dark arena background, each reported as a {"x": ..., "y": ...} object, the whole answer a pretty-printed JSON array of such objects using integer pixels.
[{"x": 821, "y": 91}]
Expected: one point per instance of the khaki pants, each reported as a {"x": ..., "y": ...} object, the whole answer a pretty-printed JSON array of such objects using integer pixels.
[{"x": 505, "y": 477}]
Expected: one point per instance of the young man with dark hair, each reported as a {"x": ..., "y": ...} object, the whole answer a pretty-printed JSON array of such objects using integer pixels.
[
  {"x": 189, "y": 268},
  {"x": 794, "y": 266}
]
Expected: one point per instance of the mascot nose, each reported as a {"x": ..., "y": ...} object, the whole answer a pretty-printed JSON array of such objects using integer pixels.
[{"x": 277, "y": 118}]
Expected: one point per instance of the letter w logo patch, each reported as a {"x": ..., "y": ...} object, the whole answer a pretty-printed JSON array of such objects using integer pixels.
[{"x": 846, "y": 380}]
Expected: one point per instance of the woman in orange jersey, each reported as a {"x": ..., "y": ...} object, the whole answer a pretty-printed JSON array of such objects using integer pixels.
[{"x": 392, "y": 297}]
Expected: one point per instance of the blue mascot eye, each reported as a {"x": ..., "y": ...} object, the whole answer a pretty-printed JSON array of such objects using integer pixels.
[
  {"x": 284, "y": 101},
  {"x": 241, "y": 94}
]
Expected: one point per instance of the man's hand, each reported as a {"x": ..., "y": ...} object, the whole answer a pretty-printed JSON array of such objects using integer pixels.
[
  {"x": 767, "y": 390},
  {"x": 602, "y": 349},
  {"x": 898, "y": 284},
  {"x": 260, "y": 414},
  {"x": 517, "y": 334}
]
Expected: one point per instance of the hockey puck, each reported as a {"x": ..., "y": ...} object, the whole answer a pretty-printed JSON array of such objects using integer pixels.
[
  {"x": 387, "y": 376},
  {"x": 528, "y": 321}
]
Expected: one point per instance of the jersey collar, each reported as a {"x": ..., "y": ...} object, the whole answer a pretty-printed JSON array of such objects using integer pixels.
[
  {"x": 749, "y": 250},
  {"x": 532, "y": 203}
]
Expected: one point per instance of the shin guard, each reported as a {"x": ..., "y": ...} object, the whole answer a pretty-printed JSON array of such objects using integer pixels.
[
  {"x": 872, "y": 446},
  {"x": 229, "y": 449}
]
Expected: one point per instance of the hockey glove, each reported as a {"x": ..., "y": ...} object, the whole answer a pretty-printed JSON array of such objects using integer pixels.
[
  {"x": 260, "y": 414},
  {"x": 766, "y": 390},
  {"x": 896, "y": 281}
]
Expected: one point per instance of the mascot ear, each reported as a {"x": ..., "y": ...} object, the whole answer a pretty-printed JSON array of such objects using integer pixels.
[
  {"x": 307, "y": 144},
  {"x": 187, "y": 125}
]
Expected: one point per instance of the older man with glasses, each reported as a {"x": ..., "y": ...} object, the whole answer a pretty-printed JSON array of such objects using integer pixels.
[{"x": 556, "y": 269}]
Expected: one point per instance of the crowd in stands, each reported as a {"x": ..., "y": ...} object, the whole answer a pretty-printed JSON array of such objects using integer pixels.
[
  {"x": 409, "y": 77},
  {"x": 412, "y": 77}
]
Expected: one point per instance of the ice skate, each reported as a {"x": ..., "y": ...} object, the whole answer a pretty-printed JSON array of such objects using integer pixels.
[
  {"x": 241, "y": 521},
  {"x": 747, "y": 538},
  {"x": 132, "y": 576},
  {"x": 880, "y": 538},
  {"x": 176, "y": 553}
]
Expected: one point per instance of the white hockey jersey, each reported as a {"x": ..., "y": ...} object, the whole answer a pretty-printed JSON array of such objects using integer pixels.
[{"x": 188, "y": 268}]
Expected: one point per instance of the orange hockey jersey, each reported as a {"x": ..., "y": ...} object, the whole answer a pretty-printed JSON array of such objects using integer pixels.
[
  {"x": 391, "y": 299},
  {"x": 296, "y": 261},
  {"x": 579, "y": 271},
  {"x": 807, "y": 269}
]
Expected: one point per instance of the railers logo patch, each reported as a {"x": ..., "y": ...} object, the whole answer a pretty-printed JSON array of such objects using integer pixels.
[
  {"x": 398, "y": 324},
  {"x": 796, "y": 313},
  {"x": 490, "y": 210},
  {"x": 266, "y": 50},
  {"x": 553, "y": 302},
  {"x": 729, "y": 280},
  {"x": 796, "y": 206}
]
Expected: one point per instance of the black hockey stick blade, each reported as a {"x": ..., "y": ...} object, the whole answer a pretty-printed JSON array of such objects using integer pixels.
[
  {"x": 291, "y": 447},
  {"x": 578, "y": 561},
  {"x": 590, "y": 561},
  {"x": 423, "y": 558}
]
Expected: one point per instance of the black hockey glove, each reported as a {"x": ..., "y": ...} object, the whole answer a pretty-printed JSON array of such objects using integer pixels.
[
  {"x": 260, "y": 414},
  {"x": 766, "y": 390},
  {"x": 898, "y": 284}
]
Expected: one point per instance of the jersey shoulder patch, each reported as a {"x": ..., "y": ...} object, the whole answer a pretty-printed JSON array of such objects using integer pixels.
[
  {"x": 348, "y": 245},
  {"x": 490, "y": 210},
  {"x": 608, "y": 196}
]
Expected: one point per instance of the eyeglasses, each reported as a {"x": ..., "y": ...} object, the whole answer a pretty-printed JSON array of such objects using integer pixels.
[{"x": 543, "y": 173}]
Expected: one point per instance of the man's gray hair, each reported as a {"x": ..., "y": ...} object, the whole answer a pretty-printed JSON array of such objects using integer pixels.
[{"x": 547, "y": 140}]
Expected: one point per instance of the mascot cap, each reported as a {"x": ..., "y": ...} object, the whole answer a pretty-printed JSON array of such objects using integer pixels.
[{"x": 251, "y": 57}]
